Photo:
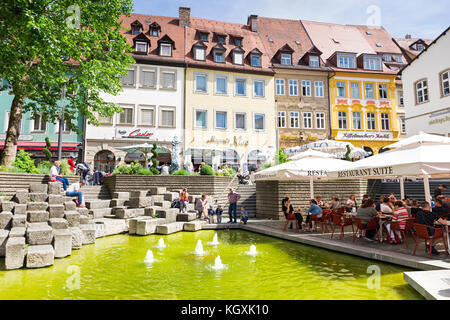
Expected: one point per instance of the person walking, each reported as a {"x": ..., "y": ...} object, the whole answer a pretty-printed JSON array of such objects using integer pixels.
[
  {"x": 233, "y": 198},
  {"x": 56, "y": 176}
]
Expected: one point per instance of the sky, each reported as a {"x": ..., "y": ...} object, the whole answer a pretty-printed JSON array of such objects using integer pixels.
[{"x": 421, "y": 18}]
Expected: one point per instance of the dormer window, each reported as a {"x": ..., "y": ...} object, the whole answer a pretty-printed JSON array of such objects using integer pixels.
[
  {"x": 136, "y": 27},
  {"x": 372, "y": 63},
  {"x": 221, "y": 39},
  {"x": 255, "y": 60},
  {"x": 154, "y": 29},
  {"x": 286, "y": 59},
  {"x": 204, "y": 37},
  {"x": 165, "y": 49},
  {"x": 219, "y": 56},
  {"x": 387, "y": 57},
  {"x": 154, "y": 32},
  {"x": 347, "y": 61},
  {"x": 238, "y": 42},
  {"x": 141, "y": 47},
  {"x": 419, "y": 46},
  {"x": 314, "y": 61},
  {"x": 199, "y": 54},
  {"x": 238, "y": 56},
  {"x": 398, "y": 58}
]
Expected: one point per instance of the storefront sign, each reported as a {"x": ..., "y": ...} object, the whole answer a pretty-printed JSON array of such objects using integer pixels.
[
  {"x": 439, "y": 117},
  {"x": 374, "y": 136},
  {"x": 213, "y": 139},
  {"x": 366, "y": 172},
  {"x": 240, "y": 142},
  {"x": 135, "y": 133},
  {"x": 316, "y": 173},
  {"x": 22, "y": 137}
]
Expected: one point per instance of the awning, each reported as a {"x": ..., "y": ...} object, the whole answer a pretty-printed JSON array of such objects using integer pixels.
[{"x": 26, "y": 145}]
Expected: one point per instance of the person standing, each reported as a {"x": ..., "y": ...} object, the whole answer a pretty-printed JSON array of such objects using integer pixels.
[
  {"x": 438, "y": 191},
  {"x": 219, "y": 212},
  {"x": 55, "y": 175},
  {"x": 233, "y": 198},
  {"x": 184, "y": 200},
  {"x": 71, "y": 163}
]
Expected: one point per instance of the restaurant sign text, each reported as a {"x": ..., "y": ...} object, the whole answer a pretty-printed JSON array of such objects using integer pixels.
[{"x": 366, "y": 172}]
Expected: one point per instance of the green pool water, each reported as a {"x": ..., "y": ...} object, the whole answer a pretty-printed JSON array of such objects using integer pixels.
[{"x": 114, "y": 268}]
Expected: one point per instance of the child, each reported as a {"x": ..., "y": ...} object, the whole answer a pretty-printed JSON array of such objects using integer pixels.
[
  {"x": 219, "y": 212},
  {"x": 211, "y": 214},
  {"x": 244, "y": 215}
]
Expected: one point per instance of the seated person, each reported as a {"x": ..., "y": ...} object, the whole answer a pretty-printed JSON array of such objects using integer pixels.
[
  {"x": 414, "y": 208},
  {"x": 386, "y": 206},
  {"x": 400, "y": 216},
  {"x": 74, "y": 191},
  {"x": 367, "y": 212},
  {"x": 314, "y": 209},
  {"x": 335, "y": 204},
  {"x": 365, "y": 198},
  {"x": 244, "y": 215},
  {"x": 351, "y": 202},
  {"x": 56, "y": 176},
  {"x": 426, "y": 217},
  {"x": 319, "y": 201},
  {"x": 439, "y": 208},
  {"x": 288, "y": 209}
]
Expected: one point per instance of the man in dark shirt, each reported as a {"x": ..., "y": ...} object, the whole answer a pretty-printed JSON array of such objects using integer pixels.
[
  {"x": 427, "y": 217},
  {"x": 438, "y": 191},
  {"x": 439, "y": 208}
]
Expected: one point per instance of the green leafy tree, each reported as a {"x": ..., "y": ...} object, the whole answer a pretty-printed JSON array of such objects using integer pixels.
[
  {"x": 154, "y": 160},
  {"x": 24, "y": 163},
  {"x": 347, "y": 154},
  {"x": 48, "y": 44},
  {"x": 46, "y": 150},
  {"x": 206, "y": 170},
  {"x": 281, "y": 157}
]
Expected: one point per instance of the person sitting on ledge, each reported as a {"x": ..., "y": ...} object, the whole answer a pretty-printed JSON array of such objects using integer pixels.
[
  {"x": 74, "y": 191},
  {"x": 56, "y": 176}
]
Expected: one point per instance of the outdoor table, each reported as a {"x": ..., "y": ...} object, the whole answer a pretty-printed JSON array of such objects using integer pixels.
[
  {"x": 447, "y": 223},
  {"x": 382, "y": 217}
]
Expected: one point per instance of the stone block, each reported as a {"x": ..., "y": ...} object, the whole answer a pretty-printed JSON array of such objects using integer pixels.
[
  {"x": 17, "y": 232},
  {"x": 20, "y": 208},
  {"x": 54, "y": 188},
  {"x": 140, "y": 202},
  {"x": 3, "y": 239},
  {"x": 19, "y": 220},
  {"x": 171, "y": 196},
  {"x": 37, "y": 206},
  {"x": 121, "y": 195},
  {"x": 117, "y": 203},
  {"x": 162, "y": 204},
  {"x": 56, "y": 210},
  {"x": 40, "y": 256},
  {"x": 38, "y": 188},
  {"x": 99, "y": 229},
  {"x": 132, "y": 224},
  {"x": 21, "y": 196},
  {"x": 138, "y": 194},
  {"x": 62, "y": 243},
  {"x": 158, "y": 190},
  {"x": 157, "y": 198},
  {"x": 98, "y": 204},
  {"x": 77, "y": 237},
  {"x": 15, "y": 253},
  {"x": 70, "y": 206},
  {"x": 37, "y": 197},
  {"x": 100, "y": 213},
  {"x": 38, "y": 216},
  {"x": 83, "y": 211},
  {"x": 7, "y": 206},
  {"x": 84, "y": 219},
  {"x": 73, "y": 218},
  {"x": 55, "y": 199},
  {"x": 88, "y": 233},
  {"x": 39, "y": 234},
  {"x": 193, "y": 226},
  {"x": 115, "y": 226},
  {"x": 5, "y": 219},
  {"x": 170, "y": 228},
  {"x": 169, "y": 214},
  {"x": 59, "y": 223},
  {"x": 150, "y": 211},
  {"x": 129, "y": 213},
  {"x": 148, "y": 226},
  {"x": 193, "y": 198},
  {"x": 186, "y": 217}
]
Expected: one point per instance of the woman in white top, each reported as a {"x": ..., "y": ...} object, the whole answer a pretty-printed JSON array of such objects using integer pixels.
[
  {"x": 74, "y": 191},
  {"x": 386, "y": 206}
]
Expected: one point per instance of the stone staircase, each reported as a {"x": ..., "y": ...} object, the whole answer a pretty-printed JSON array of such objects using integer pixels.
[
  {"x": 96, "y": 193},
  {"x": 413, "y": 189},
  {"x": 248, "y": 198}
]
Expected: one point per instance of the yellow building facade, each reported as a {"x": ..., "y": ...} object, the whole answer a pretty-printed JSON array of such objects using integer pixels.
[
  {"x": 364, "y": 109},
  {"x": 229, "y": 118}
]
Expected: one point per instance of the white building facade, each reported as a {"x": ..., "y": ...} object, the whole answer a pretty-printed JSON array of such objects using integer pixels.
[{"x": 426, "y": 89}]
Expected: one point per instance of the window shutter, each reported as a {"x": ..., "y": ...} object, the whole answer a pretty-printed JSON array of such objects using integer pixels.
[
  {"x": 167, "y": 118},
  {"x": 147, "y": 117},
  {"x": 148, "y": 78}
]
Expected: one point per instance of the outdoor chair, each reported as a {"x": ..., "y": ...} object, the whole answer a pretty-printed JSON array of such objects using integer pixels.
[
  {"x": 340, "y": 211},
  {"x": 371, "y": 225},
  {"x": 395, "y": 226},
  {"x": 422, "y": 233},
  {"x": 340, "y": 221},
  {"x": 315, "y": 218},
  {"x": 291, "y": 218},
  {"x": 327, "y": 219}
]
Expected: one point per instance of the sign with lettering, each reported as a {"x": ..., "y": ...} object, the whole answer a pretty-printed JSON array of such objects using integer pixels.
[
  {"x": 134, "y": 133},
  {"x": 317, "y": 173},
  {"x": 374, "y": 136},
  {"x": 366, "y": 172}
]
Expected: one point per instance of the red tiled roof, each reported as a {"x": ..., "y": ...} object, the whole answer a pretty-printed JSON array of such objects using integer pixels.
[
  {"x": 379, "y": 35},
  {"x": 406, "y": 43}
]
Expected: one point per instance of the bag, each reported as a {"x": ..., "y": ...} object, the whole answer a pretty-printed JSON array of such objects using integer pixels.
[{"x": 176, "y": 204}]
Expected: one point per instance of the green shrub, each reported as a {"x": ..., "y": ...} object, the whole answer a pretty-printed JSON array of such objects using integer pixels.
[
  {"x": 155, "y": 171},
  {"x": 145, "y": 172},
  {"x": 265, "y": 166},
  {"x": 3, "y": 168},
  {"x": 46, "y": 150},
  {"x": 65, "y": 168},
  {"x": 44, "y": 167},
  {"x": 228, "y": 172},
  {"x": 206, "y": 170},
  {"x": 181, "y": 173},
  {"x": 135, "y": 168},
  {"x": 24, "y": 163}
]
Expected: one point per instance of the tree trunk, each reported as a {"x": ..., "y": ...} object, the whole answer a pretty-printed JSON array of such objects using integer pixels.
[{"x": 12, "y": 135}]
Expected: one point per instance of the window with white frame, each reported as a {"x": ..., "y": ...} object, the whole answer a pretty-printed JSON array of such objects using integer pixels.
[
  {"x": 219, "y": 56},
  {"x": 128, "y": 79},
  {"x": 402, "y": 124},
  {"x": 221, "y": 84},
  {"x": 293, "y": 87},
  {"x": 400, "y": 98},
  {"x": 240, "y": 120},
  {"x": 259, "y": 121},
  {"x": 126, "y": 116},
  {"x": 371, "y": 121},
  {"x": 258, "y": 88},
  {"x": 141, "y": 47},
  {"x": 200, "y": 54},
  {"x": 368, "y": 90},
  {"x": 445, "y": 83},
  {"x": 307, "y": 120},
  {"x": 382, "y": 91},
  {"x": 306, "y": 88},
  {"x": 165, "y": 50},
  {"x": 146, "y": 116},
  {"x": 201, "y": 117},
  {"x": 148, "y": 78},
  {"x": 39, "y": 123},
  {"x": 167, "y": 117},
  {"x": 294, "y": 118},
  {"x": 204, "y": 37},
  {"x": 342, "y": 119},
  {"x": 387, "y": 57},
  {"x": 318, "y": 88},
  {"x": 372, "y": 63},
  {"x": 346, "y": 61},
  {"x": 201, "y": 82},
  {"x": 398, "y": 58},
  {"x": 385, "y": 121},
  {"x": 221, "y": 120},
  {"x": 419, "y": 46},
  {"x": 280, "y": 86},
  {"x": 340, "y": 89},
  {"x": 356, "y": 116},
  {"x": 256, "y": 60},
  {"x": 314, "y": 61},
  {"x": 168, "y": 80},
  {"x": 422, "y": 91},
  {"x": 281, "y": 117},
  {"x": 354, "y": 89},
  {"x": 286, "y": 59},
  {"x": 320, "y": 120},
  {"x": 238, "y": 58},
  {"x": 240, "y": 87}
]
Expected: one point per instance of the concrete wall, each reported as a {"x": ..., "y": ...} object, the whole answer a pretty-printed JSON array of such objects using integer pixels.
[
  {"x": 10, "y": 181},
  {"x": 269, "y": 194}
]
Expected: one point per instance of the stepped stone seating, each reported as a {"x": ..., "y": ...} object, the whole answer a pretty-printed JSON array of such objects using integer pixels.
[
  {"x": 15, "y": 253},
  {"x": 170, "y": 228},
  {"x": 186, "y": 217},
  {"x": 40, "y": 256},
  {"x": 17, "y": 232},
  {"x": 194, "y": 226}
]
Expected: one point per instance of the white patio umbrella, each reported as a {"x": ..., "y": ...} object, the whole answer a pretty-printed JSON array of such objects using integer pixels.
[
  {"x": 145, "y": 148},
  {"x": 310, "y": 165},
  {"x": 337, "y": 148},
  {"x": 420, "y": 139},
  {"x": 425, "y": 160}
]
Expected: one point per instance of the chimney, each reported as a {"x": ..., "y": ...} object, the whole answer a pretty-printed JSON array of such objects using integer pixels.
[
  {"x": 253, "y": 23},
  {"x": 184, "y": 16},
  {"x": 408, "y": 36}
]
